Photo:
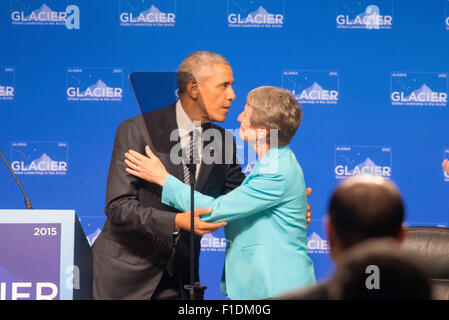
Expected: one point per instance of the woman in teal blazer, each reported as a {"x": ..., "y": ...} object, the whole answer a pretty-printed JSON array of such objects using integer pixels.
[{"x": 266, "y": 231}]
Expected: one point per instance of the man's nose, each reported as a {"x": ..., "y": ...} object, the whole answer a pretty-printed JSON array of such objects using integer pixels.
[{"x": 231, "y": 93}]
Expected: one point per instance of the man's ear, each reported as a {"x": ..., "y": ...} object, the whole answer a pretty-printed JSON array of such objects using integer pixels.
[
  {"x": 331, "y": 237},
  {"x": 402, "y": 233},
  {"x": 329, "y": 229},
  {"x": 193, "y": 90}
]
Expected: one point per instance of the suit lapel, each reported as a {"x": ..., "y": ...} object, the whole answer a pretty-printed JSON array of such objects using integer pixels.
[
  {"x": 206, "y": 169},
  {"x": 160, "y": 124},
  {"x": 203, "y": 175}
]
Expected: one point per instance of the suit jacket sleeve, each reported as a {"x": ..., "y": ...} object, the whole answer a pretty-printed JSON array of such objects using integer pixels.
[
  {"x": 259, "y": 193},
  {"x": 123, "y": 207}
]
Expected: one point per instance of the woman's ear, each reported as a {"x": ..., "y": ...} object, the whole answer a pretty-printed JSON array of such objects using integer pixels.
[{"x": 262, "y": 135}]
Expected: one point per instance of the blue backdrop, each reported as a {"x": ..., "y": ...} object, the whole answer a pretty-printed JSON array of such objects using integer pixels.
[{"x": 372, "y": 77}]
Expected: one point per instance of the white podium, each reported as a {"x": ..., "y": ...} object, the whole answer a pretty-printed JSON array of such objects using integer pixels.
[{"x": 44, "y": 255}]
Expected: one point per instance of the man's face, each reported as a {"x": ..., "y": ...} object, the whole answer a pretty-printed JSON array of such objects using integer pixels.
[{"x": 216, "y": 91}]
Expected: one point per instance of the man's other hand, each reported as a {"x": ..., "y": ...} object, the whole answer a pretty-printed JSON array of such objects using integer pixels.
[
  {"x": 309, "y": 208},
  {"x": 182, "y": 221},
  {"x": 446, "y": 166}
]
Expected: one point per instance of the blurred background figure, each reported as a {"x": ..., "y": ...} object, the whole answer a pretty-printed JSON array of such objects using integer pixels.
[{"x": 446, "y": 166}]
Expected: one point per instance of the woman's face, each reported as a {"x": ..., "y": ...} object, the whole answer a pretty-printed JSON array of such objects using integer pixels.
[{"x": 247, "y": 132}]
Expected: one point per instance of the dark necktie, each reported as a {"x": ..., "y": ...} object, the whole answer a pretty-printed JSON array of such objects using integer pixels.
[{"x": 194, "y": 135}]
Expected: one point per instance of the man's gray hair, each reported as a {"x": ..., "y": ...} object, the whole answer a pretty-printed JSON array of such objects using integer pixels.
[
  {"x": 275, "y": 108},
  {"x": 196, "y": 66}
]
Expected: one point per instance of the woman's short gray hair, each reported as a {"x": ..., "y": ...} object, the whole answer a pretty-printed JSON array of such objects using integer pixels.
[
  {"x": 196, "y": 66},
  {"x": 275, "y": 108}
]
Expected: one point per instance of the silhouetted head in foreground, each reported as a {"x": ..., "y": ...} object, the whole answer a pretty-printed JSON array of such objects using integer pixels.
[{"x": 364, "y": 207}]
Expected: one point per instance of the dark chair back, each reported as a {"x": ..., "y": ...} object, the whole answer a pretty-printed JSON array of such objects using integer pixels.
[{"x": 432, "y": 245}]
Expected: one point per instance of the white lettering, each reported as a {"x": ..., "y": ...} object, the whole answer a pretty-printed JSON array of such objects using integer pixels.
[
  {"x": 73, "y": 278},
  {"x": 43, "y": 16},
  {"x": 40, "y": 166},
  {"x": 2, "y": 291},
  {"x": 373, "y": 281},
  {"x": 73, "y": 17},
  {"x": 319, "y": 95},
  {"x": 39, "y": 288},
  {"x": 17, "y": 295},
  {"x": 151, "y": 17},
  {"x": 317, "y": 245},
  {"x": 368, "y": 20},
  {"x": 256, "y": 19},
  {"x": 6, "y": 91},
  {"x": 97, "y": 92},
  {"x": 15, "y": 16},
  {"x": 438, "y": 97},
  {"x": 213, "y": 242},
  {"x": 374, "y": 170}
]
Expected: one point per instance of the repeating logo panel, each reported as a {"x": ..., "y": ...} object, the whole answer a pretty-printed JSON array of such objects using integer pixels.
[
  {"x": 39, "y": 158},
  {"x": 312, "y": 87},
  {"x": 94, "y": 84},
  {"x": 355, "y": 160},
  {"x": 144, "y": 13},
  {"x": 364, "y": 14},
  {"x": 419, "y": 89},
  {"x": 48, "y": 13},
  {"x": 255, "y": 14},
  {"x": 7, "y": 83}
]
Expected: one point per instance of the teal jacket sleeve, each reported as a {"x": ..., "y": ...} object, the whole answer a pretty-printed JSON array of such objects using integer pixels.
[{"x": 258, "y": 193}]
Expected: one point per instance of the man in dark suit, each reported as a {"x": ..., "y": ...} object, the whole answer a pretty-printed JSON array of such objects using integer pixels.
[{"x": 143, "y": 249}]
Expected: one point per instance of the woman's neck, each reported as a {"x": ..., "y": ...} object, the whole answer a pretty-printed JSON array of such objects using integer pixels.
[{"x": 261, "y": 150}]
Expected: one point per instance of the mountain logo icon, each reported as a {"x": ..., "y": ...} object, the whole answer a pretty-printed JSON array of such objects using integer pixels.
[
  {"x": 44, "y": 14},
  {"x": 93, "y": 236},
  {"x": 44, "y": 159},
  {"x": 152, "y": 10},
  {"x": 317, "y": 92},
  {"x": 260, "y": 11},
  {"x": 315, "y": 244},
  {"x": 249, "y": 167},
  {"x": 424, "y": 90},
  {"x": 98, "y": 85},
  {"x": 368, "y": 163},
  {"x": 314, "y": 87},
  {"x": 43, "y": 8}
]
